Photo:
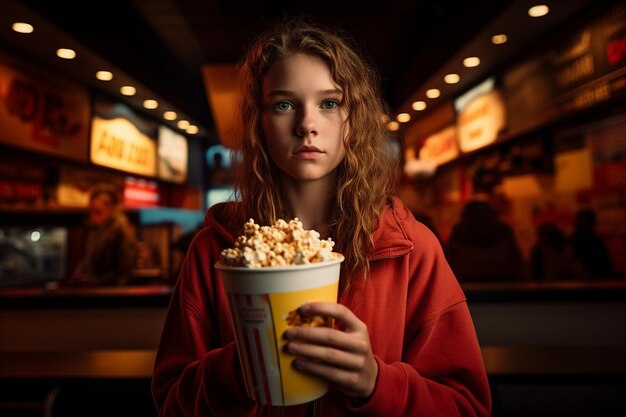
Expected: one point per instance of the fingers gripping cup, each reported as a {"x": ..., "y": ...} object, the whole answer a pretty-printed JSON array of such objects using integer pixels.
[{"x": 264, "y": 302}]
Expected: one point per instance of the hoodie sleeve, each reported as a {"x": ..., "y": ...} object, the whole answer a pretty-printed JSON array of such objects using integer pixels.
[
  {"x": 197, "y": 371},
  {"x": 441, "y": 372}
]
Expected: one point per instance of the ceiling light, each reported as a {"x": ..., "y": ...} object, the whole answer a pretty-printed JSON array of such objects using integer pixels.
[
  {"x": 538, "y": 10},
  {"x": 433, "y": 93},
  {"x": 471, "y": 61},
  {"x": 128, "y": 90},
  {"x": 419, "y": 105},
  {"x": 183, "y": 124},
  {"x": 499, "y": 39},
  {"x": 22, "y": 27},
  {"x": 150, "y": 104},
  {"x": 403, "y": 117},
  {"x": 170, "y": 115},
  {"x": 104, "y": 75},
  {"x": 393, "y": 126},
  {"x": 66, "y": 53},
  {"x": 452, "y": 78},
  {"x": 192, "y": 129}
]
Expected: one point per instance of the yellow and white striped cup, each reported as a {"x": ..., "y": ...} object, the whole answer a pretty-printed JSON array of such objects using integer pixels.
[{"x": 260, "y": 301}]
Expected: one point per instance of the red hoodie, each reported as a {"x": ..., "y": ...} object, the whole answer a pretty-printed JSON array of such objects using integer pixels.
[{"x": 420, "y": 328}]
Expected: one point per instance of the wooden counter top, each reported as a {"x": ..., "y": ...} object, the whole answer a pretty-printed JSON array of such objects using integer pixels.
[
  {"x": 538, "y": 291},
  {"x": 91, "y": 364},
  {"x": 499, "y": 361},
  {"x": 554, "y": 360},
  {"x": 69, "y": 297},
  {"x": 610, "y": 290}
]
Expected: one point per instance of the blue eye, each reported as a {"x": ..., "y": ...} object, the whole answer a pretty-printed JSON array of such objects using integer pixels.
[
  {"x": 283, "y": 106},
  {"x": 330, "y": 104}
]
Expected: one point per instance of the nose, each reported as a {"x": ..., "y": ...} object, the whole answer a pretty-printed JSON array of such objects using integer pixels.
[{"x": 306, "y": 124}]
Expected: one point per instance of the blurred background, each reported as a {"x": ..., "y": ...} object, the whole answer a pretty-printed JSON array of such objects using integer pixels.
[{"x": 508, "y": 120}]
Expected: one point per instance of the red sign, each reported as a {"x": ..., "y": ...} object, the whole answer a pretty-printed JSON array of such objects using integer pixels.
[
  {"x": 610, "y": 177},
  {"x": 140, "y": 193},
  {"x": 13, "y": 191},
  {"x": 616, "y": 50},
  {"x": 44, "y": 114},
  {"x": 440, "y": 147}
]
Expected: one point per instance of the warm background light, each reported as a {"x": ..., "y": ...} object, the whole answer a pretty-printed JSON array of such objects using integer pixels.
[
  {"x": 66, "y": 53},
  {"x": 393, "y": 126},
  {"x": 433, "y": 93},
  {"x": 104, "y": 75},
  {"x": 183, "y": 124},
  {"x": 403, "y": 117},
  {"x": 499, "y": 39},
  {"x": 170, "y": 115},
  {"x": 419, "y": 105},
  {"x": 22, "y": 27},
  {"x": 538, "y": 10},
  {"x": 452, "y": 78},
  {"x": 150, "y": 104},
  {"x": 471, "y": 61},
  {"x": 192, "y": 129},
  {"x": 128, "y": 90}
]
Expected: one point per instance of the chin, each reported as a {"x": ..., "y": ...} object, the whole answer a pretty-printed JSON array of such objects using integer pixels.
[
  {"x": 310, "y": 176},
  {"x": 308, "y": 172}
]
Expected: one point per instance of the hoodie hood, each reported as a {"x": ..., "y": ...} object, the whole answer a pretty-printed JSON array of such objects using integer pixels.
[
  {"x": 390, "y": 239},
  {"x": 221, "y": 218}
]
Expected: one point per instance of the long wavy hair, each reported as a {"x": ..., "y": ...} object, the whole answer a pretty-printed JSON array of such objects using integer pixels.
[{"x": 365, "y": 177}]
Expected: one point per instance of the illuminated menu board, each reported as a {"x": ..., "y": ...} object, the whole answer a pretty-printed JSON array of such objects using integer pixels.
[
  {"x": 582, "y": 68},
  {"x": 440, "y": 147},
  {"x": 122, "y": 140},
  {"x": 43, "y": 113},
  {"x": 173, "y": 155},
  {"x": 481, "y": 116}
]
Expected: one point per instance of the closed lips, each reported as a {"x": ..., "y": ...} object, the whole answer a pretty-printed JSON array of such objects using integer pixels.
[
  {"x": 308, "y": 153},
  {"x": 308, "y": 149}
]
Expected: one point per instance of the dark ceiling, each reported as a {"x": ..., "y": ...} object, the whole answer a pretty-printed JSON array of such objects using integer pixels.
[{"x": 164, "y": 43}]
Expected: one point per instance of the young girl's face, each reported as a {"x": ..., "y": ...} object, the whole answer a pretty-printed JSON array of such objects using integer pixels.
[{"x": 302, "y": 117}]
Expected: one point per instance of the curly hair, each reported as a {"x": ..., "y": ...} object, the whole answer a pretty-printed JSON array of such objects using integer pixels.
[{"x": 367, "y": 174}]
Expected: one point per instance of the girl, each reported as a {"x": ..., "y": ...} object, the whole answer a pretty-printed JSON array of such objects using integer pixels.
[{"x": 313, "y": 144}]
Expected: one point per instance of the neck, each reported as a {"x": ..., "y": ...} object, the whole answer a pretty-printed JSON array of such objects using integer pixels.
[{"x": 310, "y": 201}]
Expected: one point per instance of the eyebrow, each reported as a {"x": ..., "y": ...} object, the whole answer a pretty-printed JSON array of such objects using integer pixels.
[{"x": 275, "y": 93}]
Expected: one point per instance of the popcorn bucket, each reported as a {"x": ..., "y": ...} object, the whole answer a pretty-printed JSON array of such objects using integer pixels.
[{"x": 262, "y": 304}]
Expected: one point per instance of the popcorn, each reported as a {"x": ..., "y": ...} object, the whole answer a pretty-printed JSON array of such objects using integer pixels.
[{"x": 278, "y": 245}]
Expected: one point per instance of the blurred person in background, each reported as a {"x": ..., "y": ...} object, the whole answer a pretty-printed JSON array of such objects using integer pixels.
[
  {"x": 483, "y": 248},
  {"x": 110, "y": 244},
  {"x": 591, "y": 258},
  {"x": 550, "y": 257}
]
